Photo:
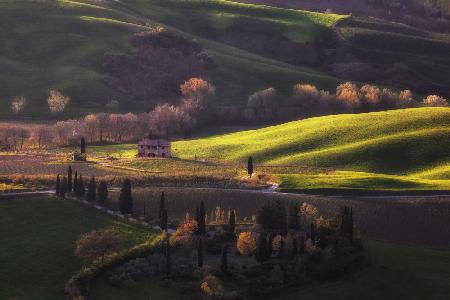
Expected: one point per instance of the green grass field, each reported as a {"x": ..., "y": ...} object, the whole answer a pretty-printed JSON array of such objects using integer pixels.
[
  {"x": 401, "y": 149},
  {"x": 38, "y": 235},
  {"x": 60, "y": 44}
]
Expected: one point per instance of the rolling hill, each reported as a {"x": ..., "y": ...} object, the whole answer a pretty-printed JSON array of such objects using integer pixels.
[
  {"x": 60, "y": 44},
  {"x": 394, "y": 149}
]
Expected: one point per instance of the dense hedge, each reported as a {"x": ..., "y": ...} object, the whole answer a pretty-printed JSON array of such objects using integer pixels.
[{"x": 78, "y": 286}]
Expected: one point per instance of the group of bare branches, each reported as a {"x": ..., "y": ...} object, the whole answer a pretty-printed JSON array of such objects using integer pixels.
[{"x": 307, "y": 100}]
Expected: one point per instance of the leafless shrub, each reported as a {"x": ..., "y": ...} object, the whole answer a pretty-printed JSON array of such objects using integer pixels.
[{"x": 57, "y": 102}]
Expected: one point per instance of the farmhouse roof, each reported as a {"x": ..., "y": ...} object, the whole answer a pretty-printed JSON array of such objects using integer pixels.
[{"x": 153, "y": 142}]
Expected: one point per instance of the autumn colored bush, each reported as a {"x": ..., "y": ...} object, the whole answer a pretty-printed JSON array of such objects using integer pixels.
[
  {"x": 246, "y": 243},
  {"x": 97, "y": 244}
]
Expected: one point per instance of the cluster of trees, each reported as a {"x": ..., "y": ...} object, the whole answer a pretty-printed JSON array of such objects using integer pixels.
[
  {"x": 194, "y": 109},
  {"x": 163, "y": 61},
  {"x": 73, "y": 184},
  {"x": 278, "y": 232},
  {"x": 307, "y": 100}
]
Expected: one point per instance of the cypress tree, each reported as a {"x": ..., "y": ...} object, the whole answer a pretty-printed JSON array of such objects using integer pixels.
[
  {"x": 281, "y": 250},
  {"x": 261, "y": 248},
  {"x": 293, "y": 220},
  {"x": 270, "y": 245},
  {"x": 232, "y": 222},
  {"x": 58, "y": 186},
  {"x": 250, "y": 166},
  {"x": 168, "y": 258},
  {"x": 63, "y": 187},
  {"x": 302, "y": 246},
  {"x": 200, "y": 253},
  {"x": 69, "y": 180},
  {"x": 202, "y": 219},
  {"x": 162, "y": 204},
  {"x": 80, "y": 189},
  {"x": 312, "y": 233},
  {"x": 83, "y": 146},
  {"x": 75, "y": 183},
  {"x": 102, "y": 193},
  {"x": 92, "y": 189},
  {"x": 164, "y": 220},
  {"x": 125, "y": 198},
  {"x": 295, "y": 246},
  {"x": 224, "y": 260}
]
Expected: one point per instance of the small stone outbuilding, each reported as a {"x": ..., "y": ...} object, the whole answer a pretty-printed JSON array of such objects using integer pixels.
[{"x": 149, "y": 147}]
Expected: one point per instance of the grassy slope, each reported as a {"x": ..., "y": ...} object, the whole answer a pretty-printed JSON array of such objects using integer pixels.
[
  {"x": 37, "y": 246},
  {"x": 401, "y": 149},
  {"x": 424, "y": 53},
  {"x": 60, "y": 45},
  {"x": 411, "y": 146}
]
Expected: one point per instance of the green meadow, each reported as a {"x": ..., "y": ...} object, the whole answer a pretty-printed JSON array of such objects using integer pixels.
[
  {"x": 393, "y": 150},
  {"x": 60, "y": 45},
  {"x": 38, "y": 258}
]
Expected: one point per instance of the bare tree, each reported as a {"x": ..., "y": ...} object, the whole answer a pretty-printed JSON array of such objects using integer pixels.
[
  {"x": 57, "y": 102},
  {"x": 17, "y": 104},
  {"x": 435, "y": 100}
]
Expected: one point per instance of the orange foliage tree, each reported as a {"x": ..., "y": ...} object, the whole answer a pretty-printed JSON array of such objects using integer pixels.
[{"x": 246, "y": 243}]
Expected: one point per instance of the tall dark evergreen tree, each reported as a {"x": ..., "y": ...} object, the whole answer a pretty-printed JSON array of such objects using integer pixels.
[
  {"x": 347, "y": 221},
  {"x": 302, "y": 246},
  {"x": 69, "y": 180},
  {"x": 272, "y": 216},
  {"x": 92, "y": 190},
  {"x": 224, "y": 260},
  {"x": 261, "y": 248},
  {"x": 312, "y": 233},
  {"x": 102, "y": 193},
  {"x": 75, "y": 183},
  {"x": 63, "y": 187},
  {"x": 281, "y": 250},
  {"x": 250, "y": 166},
  {"x": 168, "y": 258},
  {"x": 162, "y": 204},
  {"x": 164, "y": 220},
  {"x": 200, "y": 253},
  {"x": 270, "y": 245},
  {"x": 202, "y": 219},
  {"x": 232, "y": 222},
  {"x": 80, "y": 190},
  {"x": 125, "y": 198},
  {"x": 293, "y": 218},
  {"x": 83, "y": 146},
  {"x": 295, "y": 246},
  {"x": 58, "y": 186}
]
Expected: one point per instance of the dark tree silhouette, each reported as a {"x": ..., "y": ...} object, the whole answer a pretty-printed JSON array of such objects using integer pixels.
[
  {"x": 232, "y": 222},
  {"x": 168, "y": 258},
  {"x": 293, "y": 219},
  {"x": 162, "y": 204},
  {"x": 224, "y": 260},
  {"x": 75, "y": 182},
  {"x": 302, "y": 246},
  {"x": 250, "y": 166},
  {"x": 202, "y": 219},
  {"x": 83, "y": 146},
  {"x": 92, "y": 189},
  {"x": 281, "y": 250},
  {"x": 63, "y": 187},
  {"x": 58, "y": 186},
  {"x": 312, "y": 233},
  {"x": 346, "y": 220},
  {"x": 80, "y": 188},
  {"x": 295, "y": 246},
  {"x": 102, "y": 193},
  {"x": 69, "y": 180},
  {"x": 261, "y": 248},
  {"x": 200, "y": 253},
  {"x": 125, "y": 198},
  {"x": 272, "y": 216},
  {"x": 164, "y": 220}
]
